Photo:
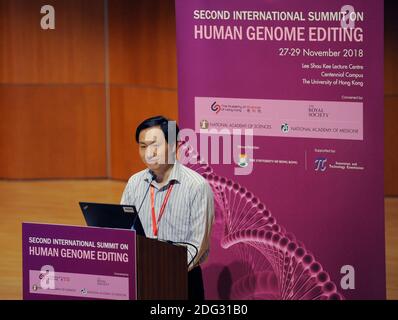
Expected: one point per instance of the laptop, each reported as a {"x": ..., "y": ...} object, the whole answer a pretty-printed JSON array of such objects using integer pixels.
[{"x": 112, "y": 216}]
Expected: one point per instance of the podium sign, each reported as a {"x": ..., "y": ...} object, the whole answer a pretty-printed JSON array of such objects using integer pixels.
[{"x": 69, "y": 262}]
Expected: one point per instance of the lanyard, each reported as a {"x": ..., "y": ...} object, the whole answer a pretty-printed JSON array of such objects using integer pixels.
[{"x": 154, "y": 221}]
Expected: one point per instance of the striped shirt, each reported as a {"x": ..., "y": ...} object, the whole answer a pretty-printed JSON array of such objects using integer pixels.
[{"x": 189, "y": 212}]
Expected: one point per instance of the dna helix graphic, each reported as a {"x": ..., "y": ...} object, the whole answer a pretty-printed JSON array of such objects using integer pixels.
[{"x": 277, "y": 265}]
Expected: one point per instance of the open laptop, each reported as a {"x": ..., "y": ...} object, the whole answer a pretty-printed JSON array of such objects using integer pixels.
[{"x": 112, "y": 216}]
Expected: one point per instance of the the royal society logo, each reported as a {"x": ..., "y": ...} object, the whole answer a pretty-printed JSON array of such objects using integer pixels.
[
  {"x": 320, "y": 164},
  {"x": 215, "y": 107},
  {"x": 317, "y": 112}
]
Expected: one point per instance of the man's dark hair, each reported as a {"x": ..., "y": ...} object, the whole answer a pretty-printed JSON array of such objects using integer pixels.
[{"x": 157, "y": 121}]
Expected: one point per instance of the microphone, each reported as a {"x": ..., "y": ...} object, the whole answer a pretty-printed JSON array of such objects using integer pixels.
[
  {"x": 153, "y": 177},
  {"x": 186, "y": 243}
]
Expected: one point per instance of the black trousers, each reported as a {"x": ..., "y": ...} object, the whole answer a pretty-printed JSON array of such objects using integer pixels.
[{"x": 195, "y": 284}]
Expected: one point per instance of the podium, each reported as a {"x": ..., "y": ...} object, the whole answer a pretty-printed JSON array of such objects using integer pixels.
[
  {"x": 72, "y": 262},
  {"x": 161, "y": 270}
]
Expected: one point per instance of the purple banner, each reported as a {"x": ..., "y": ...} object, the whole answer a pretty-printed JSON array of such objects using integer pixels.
[
  {"x": 67, "y": 262},
  {"x": 292, "y": 92}
]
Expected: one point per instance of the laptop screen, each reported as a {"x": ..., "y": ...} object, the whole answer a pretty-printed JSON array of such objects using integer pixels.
[{"x": 112, "y": 216}]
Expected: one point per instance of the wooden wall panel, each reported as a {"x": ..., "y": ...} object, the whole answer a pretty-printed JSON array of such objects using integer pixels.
[
  {"x": 72, "y": 53},
  {"x": 391, "y": 65},
  {"x": 129, "y": 107},
  {"x": 52, "y": 132},
  {"x": 142, "y": 74},
  {"x": 142, "y": 43},
  {"x": 391, "y": 146},
  {"x": 391, "y": 49},
  {"x": 391, "y": 99}
]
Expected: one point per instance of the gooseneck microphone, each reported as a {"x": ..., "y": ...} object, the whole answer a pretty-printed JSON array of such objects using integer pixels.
[
  {"x": 186, "y": 243},
  {"x": 153, "y": 177}
]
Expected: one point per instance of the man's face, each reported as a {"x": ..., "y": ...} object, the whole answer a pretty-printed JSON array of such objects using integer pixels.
[{"x": 153, "y": 147}]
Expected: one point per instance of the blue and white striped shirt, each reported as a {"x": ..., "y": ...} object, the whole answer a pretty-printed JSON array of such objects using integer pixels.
[{"x": 189, "y": 212}]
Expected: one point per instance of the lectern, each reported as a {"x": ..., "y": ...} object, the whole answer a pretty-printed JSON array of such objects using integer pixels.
[{"x": 72, "y": 262}]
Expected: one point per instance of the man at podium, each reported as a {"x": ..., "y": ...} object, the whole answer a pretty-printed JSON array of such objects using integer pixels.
[{"x": 174, "y": 202}]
